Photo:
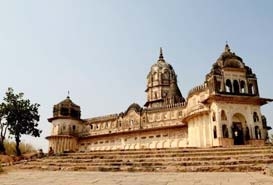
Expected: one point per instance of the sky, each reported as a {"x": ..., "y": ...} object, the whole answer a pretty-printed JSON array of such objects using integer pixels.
[{"x": 101, "y": 50}]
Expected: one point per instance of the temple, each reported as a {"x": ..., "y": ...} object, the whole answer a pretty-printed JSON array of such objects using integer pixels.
[{"x": 222, "y": 112}]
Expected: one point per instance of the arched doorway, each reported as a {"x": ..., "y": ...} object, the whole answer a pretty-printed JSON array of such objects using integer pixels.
[{"x": 238, "y": 126}]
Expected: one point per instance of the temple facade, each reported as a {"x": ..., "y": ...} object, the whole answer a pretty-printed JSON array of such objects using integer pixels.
[{"x": 222, "y": 112}]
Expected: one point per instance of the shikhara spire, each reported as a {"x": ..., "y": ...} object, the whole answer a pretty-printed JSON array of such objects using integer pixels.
[
  {"x": 68, "y": 93},
  {"x": 161, "y": 54}
]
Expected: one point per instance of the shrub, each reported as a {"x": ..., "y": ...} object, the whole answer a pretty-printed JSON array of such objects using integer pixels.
[{"x": 1, "y": 170}]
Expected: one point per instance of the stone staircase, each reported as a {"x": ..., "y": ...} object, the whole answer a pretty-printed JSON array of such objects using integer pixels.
[{"x": 237, "y": 159}]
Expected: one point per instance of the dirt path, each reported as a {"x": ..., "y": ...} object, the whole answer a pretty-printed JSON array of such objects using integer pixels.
[{"x": 15, "y": 177}]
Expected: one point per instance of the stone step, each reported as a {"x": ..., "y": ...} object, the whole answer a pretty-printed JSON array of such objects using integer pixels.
[
  {"x": 175, "y": 150},
  {"x": 179, "y": 154},
  {"x": 143, "y": 159},
  {"x": 184, "y": 160},
  {"x": 213, "y": 168},
  {"x": 158, "y": 163}
]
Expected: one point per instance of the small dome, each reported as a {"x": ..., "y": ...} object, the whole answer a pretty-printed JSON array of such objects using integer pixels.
[
  {"x": 68, "y": 102},
  {"x": 229, "y": 59},
  {"x": 67, "y": 108},
  {"x": 133, "y": 106}
]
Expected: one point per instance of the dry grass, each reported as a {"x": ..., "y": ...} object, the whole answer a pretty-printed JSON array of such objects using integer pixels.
[{"x": 24, "y": 147}]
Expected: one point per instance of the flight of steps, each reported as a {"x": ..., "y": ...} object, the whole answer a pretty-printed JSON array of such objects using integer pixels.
[{"x": 237, "y": 159}]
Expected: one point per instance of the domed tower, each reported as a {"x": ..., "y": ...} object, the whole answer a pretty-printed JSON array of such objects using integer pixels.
[
  {"x": 230, "y": 75},
  {"x": 162, "y": 86},
  {"x": 234, "y": 102},
  {"x": 66, "y": 126}
]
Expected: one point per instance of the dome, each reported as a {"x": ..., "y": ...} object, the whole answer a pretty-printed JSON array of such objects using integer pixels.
[
  {"x": 134, "y": 106},
  {"x": 67, "y": 108},
  {"x": 67, "y": 102},
  {"x": 163, "y": 68},
  {"x": 229, "y": 59}
]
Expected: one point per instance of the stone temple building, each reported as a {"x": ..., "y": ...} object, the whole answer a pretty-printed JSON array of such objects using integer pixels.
[{"x": 222, "y": 112}]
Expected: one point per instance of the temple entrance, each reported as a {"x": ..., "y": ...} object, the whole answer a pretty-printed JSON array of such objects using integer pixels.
[
  {"x": 237, "y": 132},
  {"x": 238, "y": 127}
]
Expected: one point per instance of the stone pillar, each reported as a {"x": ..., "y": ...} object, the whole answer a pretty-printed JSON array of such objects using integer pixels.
[{"x": 219, "y": 125}]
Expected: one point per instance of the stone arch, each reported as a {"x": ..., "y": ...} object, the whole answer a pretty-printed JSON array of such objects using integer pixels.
[
  {"x": 167, "y": 144},
  {"x": 164, "y": 144},
  {"x": 243, "y": 86},
  {"x": 181, "y": 143},
  {"x": 173, "y": 144},
  {"x": 149, "y": 145},
  {"x": 255, "y": 117},
  {"x": 228, "y": 86},
  {"x": 236, "y": 87},
  {"x": 135, "y": 146},
  {"x": 257, "y": 132},
  {"x": 131, "y": 146},
  {"x": 166, "y": 74},
  {"x": 127, "y": 146},
  {"x": 157, "y": 145},
  {"x": 223, "y": 115},
  {"x": 251, "y": 89},
  {"x": 238, "y": 128}
]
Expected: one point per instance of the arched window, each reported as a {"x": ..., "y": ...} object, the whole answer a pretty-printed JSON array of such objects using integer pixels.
[
  {"x": 264, "y": 122},
  {"x": 225, "y": 131},
  {"x": 155, "y": 95},
  {"x": 180, "y": 114},
  {"x": 91, "y": 127},
  {"x": 214, "y": 132},
  {"x": 257, "y": 132},
  {"x": 131, "y": 122},
  {"x": 236, "y": 87},
  {"x": 228, "y": 86},
  {"x": 223, "y": 115},
  {"x": 213, "y": 116},
  {"x": 243, "y": 86},
  {"x": 166, "y": 75},
  {"x": 251, "y": 89},
  {"x": 255, "y": 117}
]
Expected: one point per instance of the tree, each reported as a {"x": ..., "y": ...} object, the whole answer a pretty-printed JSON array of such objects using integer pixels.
[
  {"x": 21, "y": 116},
  {"x": 3, "y": 128}
]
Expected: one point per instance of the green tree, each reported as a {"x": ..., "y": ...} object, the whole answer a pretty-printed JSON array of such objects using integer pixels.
[
  {"x": 3, "y": 128},
  {"x": 21, "y": 116}
]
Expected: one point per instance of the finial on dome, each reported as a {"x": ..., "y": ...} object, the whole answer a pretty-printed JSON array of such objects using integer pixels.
[
  {"x": 161, "y": 54},
  {"x": 68, "y": 94},
  {"x": 227, "y": 49}
]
